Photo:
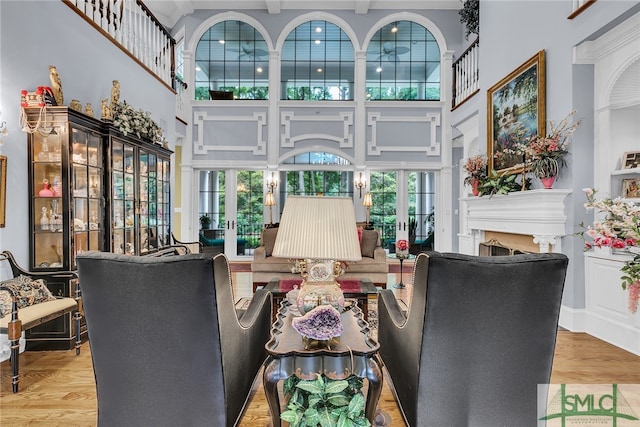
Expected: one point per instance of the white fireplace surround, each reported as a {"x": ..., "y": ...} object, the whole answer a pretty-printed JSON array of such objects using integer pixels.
[{"x": 537, "y": 213}]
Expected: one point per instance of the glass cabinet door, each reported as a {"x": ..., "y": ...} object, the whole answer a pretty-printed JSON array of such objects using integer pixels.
[
  {"x": 143, "y": 205},
  {"x": 163, "y": 202},
  {"x": 48, "y": 191},
  {"x": 86, "y": 160}
]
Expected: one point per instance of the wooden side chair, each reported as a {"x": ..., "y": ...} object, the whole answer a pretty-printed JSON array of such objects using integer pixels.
[{"x": 23, "y": 318}]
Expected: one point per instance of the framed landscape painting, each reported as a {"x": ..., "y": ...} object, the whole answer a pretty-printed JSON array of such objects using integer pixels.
[{"x": 515, "y": 111}]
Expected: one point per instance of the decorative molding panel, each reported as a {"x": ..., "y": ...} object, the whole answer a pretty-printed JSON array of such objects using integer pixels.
[
  {"x": 259, "y": 119},
  {"x": 431, "y": 119},
  {"x": 288, "y": 118}
]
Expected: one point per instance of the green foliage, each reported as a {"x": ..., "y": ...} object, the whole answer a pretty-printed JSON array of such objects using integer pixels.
[
  {"x": 205, "y": 221},
  {"x": 496, "y": 183},
  {"x": 631, "y": 272},
  {"x": 324, "y": 402},
  {"x": 470, "y": 17}
]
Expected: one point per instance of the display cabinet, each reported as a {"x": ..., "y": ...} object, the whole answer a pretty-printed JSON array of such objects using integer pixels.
[
  {"x": 66, "y": 181},
  {"x": 139, "y": 203},
  {"x": 66, "y": 205}
]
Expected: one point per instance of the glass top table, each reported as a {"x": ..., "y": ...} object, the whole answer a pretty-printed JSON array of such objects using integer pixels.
[{"x": 360, "y": 290}]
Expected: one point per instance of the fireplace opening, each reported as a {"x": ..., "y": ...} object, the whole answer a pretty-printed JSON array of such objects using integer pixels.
[{"x": 493, "y": 247}]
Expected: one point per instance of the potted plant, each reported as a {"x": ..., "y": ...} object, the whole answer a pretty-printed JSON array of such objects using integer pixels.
[
  {"x": 545, "y": 155},
  {"x": 470, "y": 17},
  {"x": 324, "y": 402},
  {"x": 476, "y": 168},
  {"x": 619, "y": 230},
  {"x": 205, "y": 222}
]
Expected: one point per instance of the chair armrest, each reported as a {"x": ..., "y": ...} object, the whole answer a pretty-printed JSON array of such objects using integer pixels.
[
  {"x": 387, "y": 302},
  {"x": 260, "y": 302},
  {"x": 379, "y": 254},
  {"x": 260, "y": 253}
]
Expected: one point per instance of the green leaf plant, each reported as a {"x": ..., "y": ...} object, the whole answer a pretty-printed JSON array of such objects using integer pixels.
[
  {"x": 324, "y": 402},
  {"x": 496, "y": 183}
]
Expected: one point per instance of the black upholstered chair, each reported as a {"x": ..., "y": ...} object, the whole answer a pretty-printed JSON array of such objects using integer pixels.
[
  {"x": 167, "y": 346},
  {"x": 479, "y": 337}
]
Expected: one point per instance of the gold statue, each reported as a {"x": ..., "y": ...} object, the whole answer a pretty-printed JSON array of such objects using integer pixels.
[
  {"x": 88, "y": 110},
  {"x": 56, "y": 85},
  {"x": 115, "y": 94},
  {"x": 106, "y": 113}
]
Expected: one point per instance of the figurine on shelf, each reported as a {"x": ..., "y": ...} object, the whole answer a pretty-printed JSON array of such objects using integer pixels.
[
  {"x": 75, "y": 105},
  {"x": 88, "y": 110},
  {"x": 56, "y": 84},
  {"x": 44, "y": 219},
  {"x": 115, "y": 94},
  {"x": 106, "y": 113},
  {"x": 46, "y": 189}
]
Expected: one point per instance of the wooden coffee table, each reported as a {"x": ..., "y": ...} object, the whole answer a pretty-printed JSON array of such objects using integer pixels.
[
  {"x": 356, "y": 289},
  {"x": 355, "y": 353}
]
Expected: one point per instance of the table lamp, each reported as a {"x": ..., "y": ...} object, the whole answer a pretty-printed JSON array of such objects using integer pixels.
[{"x": 320, "y": 232}]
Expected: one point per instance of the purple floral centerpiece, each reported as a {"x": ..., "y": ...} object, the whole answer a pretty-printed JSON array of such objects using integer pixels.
[{"x": 322, "y": 323}]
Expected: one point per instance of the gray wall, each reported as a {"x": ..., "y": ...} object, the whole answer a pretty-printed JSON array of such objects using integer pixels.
[
  {"x": 511, "y": 32},
  {"x": 34, "y": 35}
]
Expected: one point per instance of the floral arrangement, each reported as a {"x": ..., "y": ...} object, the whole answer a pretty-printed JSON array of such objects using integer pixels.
[
  {"x": 619, "y": 229},
  {"x": 546, "y": 154},
  {"x": 322, "y": 323},
  {"x": 476, "y": 168},
  {"x": 402, "y": 245},
  {"x": 138, "y": 122}
]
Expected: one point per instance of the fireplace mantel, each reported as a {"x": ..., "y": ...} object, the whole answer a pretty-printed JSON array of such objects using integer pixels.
[{"x": 538, "y": 213}]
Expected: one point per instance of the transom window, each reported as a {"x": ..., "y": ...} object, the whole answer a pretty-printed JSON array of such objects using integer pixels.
[
  {"x": 403, "y": 63},
  {"x": 232, "y": 62},
  {"x": 317, "y": 63}
]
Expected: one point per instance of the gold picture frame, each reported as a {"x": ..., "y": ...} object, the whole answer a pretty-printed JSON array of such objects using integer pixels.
[
  {"x": 515, "y": 105},
  {"x": 3, "y": 190},
  {"x": 630, "y": 160},
  {"x": 631, "y": 188}
]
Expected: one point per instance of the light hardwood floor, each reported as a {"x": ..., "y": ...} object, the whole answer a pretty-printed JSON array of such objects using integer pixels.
[{"x": 58, "y": 389}]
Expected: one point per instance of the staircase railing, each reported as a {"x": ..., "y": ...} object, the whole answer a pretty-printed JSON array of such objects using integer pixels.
[
  {"x": 131, "y": 26},
  {"x": 466, "y": 81}
]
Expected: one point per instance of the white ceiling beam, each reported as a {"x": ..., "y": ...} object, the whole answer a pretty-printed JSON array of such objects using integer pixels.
[
  {"x": 273, "y": 6},
  {"x": 362, "y": 6}
]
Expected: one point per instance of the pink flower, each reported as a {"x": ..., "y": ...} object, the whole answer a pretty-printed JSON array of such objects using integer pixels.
[
  {"x": 402, "y": 245},
  {"x": 618, "y": 244},
  {"x": 634, "y": 296}
]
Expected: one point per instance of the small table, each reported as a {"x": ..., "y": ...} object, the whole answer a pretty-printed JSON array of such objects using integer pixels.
[
  {"x": 408, "y": 256},
  {"x": 351, "y": 288},
  {"x": 356, "y": 353}
]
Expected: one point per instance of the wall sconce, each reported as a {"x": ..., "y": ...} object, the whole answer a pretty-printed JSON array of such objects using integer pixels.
[
  {"x": 3, "y": 129},
  {"x": 272, "y": 182},
  {"x": 270, "y": 201},
  {"x": 368, "y": 202},
  {"x": 360, "y": 183}
]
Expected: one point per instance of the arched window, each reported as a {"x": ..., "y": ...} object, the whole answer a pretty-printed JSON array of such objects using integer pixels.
[
  {"x": 232, "y": 62},
  {"x": 403, "y": 63},
  {"x": 317, "y": 63}
]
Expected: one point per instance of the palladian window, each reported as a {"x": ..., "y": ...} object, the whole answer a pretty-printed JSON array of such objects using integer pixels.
[
  {"x": 317, "y": 63},
  {"x": 232, "y": 62},
  {"x": 403, "y": 63}
]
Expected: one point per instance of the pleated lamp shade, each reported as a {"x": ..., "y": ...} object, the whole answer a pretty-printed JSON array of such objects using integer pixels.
[{"x": 322, "y": 228}]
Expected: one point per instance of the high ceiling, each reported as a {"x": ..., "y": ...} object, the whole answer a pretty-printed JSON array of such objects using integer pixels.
[{"x": 169, "y": 12}]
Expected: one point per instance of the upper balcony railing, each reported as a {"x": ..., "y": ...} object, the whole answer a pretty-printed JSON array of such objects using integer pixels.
[
  {"x": 130, "y": 25},
  {"x": 466, "y": 81}
]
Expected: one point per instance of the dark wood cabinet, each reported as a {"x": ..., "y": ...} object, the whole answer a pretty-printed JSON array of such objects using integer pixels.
[
  {"x": 91, "y": 189},
  {"x": 138, "y": 206}
]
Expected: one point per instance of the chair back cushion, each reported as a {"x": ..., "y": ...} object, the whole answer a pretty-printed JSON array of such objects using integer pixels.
[
  {"x": 269, "y": 239},
  {"x": 155, "y": 344},
  {"x": 369, "y": 242},
  {"x": 480, "y": 337}
]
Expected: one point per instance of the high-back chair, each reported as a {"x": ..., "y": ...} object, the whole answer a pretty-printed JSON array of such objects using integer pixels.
[
  {"x": 167, "y": 346},
  {"x": 478, "y": 338}
]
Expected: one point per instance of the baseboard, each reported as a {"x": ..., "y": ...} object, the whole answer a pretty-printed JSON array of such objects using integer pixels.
[{"x": 572, "y": 318}]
